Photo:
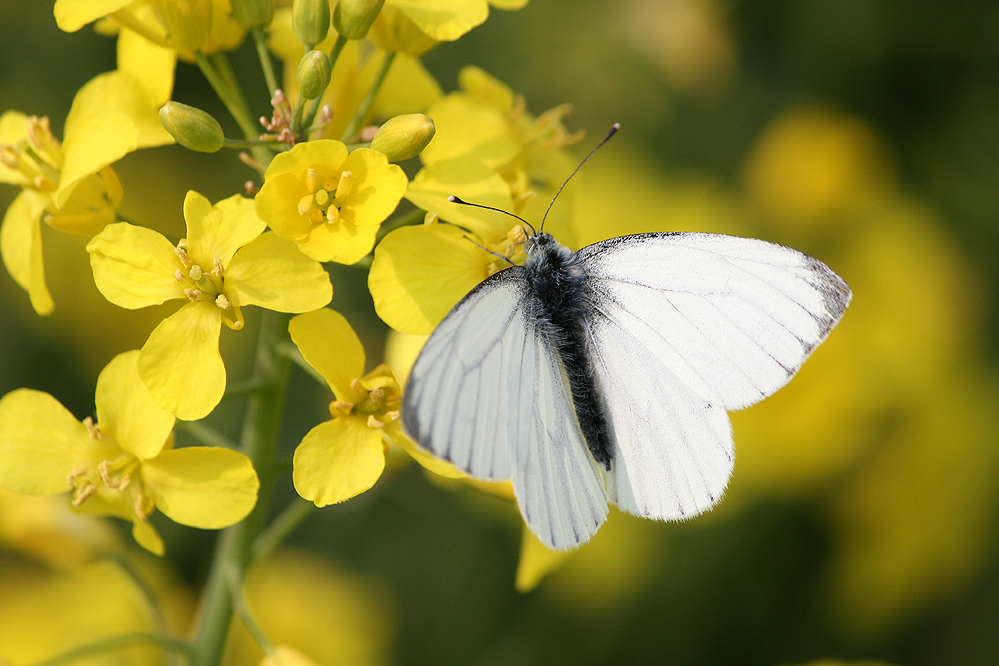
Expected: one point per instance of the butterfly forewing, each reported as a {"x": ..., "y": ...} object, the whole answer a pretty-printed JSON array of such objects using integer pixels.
[
  {"x": 732, "y": 318},
  {"x": 489, "y": 393}
]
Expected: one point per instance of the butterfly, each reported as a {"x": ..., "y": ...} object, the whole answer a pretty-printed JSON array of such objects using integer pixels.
[{"x": 605, "y": 375}]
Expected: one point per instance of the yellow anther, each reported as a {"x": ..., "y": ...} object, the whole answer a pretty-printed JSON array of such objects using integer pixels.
[
  {"x": 139, "y": 506},
  {"x": 430, "y": 218},
  {"x": 92, "y": 429},
  {"x": 217, "y": 268},
  {"x": 182, "y": 254},
  {"x": 393, "y": 415},
  {"x": 81, "y": 495},
  {"x": 310, "y": 180},
  {"x": 345, "y": 184},
  {"x": 75, "y": 474},
  {"x": 193, "y": 294},
  {"x": 177, "y": 275},
  {"x": 105, "y": 472},
  {"x": 223, "y": 302},
  {"x": 316, "y": 215},
  {"x": 374, "y": 423},
  {"x": 332, "y": 215},
  {"x": 305, "y": 204},
  {"x": 342, "y": 405},
  {"x": 329, "y": 184}
]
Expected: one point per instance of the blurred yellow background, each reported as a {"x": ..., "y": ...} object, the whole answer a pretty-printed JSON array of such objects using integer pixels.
[{"x": 861, "y": 521}]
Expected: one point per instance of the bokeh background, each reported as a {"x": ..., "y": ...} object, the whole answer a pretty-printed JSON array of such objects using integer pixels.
[{"x": 861, "y": 521}]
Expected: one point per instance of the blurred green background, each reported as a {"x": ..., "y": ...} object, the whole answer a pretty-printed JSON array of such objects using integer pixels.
[{"x": 861, "y": 521}]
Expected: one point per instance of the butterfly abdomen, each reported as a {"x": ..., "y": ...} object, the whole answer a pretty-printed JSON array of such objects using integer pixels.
[{"x": 558, "y": 286}]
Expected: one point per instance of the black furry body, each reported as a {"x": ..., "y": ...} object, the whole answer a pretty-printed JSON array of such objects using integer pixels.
[{"x": 557, "y": 284}]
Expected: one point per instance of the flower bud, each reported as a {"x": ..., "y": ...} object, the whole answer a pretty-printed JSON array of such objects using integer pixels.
[
  {"x": 352, "y": 18},
  {"x": 313, "y": 74},
  {"x": 311, "y": 21},
  {"x": 193, "y": 128},
  {"x": 404, "y": 136},
  {"x": 251, "y": 14}
]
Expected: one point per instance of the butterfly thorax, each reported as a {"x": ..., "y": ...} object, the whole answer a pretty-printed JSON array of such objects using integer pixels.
[{"x": 557, "y": 282}]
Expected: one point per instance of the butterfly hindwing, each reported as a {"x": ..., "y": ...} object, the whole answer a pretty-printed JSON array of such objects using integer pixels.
[{"x": 489, "y": 393}]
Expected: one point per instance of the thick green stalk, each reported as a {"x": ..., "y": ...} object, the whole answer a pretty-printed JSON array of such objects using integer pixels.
[
  {"x": 369, "y": 100},
  {"x": 219, "y": 75},
  {"x": 259, "y": 441}
]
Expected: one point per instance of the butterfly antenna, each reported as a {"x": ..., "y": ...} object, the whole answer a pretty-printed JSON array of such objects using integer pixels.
[
  {"x": 613, "y": 130},
  {"x": 454, "y": 199}
]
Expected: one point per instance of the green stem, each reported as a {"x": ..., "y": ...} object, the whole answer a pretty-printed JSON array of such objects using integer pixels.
[
  {"x": 281, "y": 527},
  {"x": 223, "y": 82},
  {"x": 205, "y": 434},
  {"x": 243, "y": 611},
  {"x": 266, "y": 64},
  {"x": 111, "y": 643},
  {"x": 259, "y": 442},
  {"x": 365, "y": 108},
  {"x": 238, "y": 143}
]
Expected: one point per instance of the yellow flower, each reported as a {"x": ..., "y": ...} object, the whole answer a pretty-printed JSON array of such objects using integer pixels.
[
  {"x": 184, "y": 26},
  {"x": 124, "y": 464},
  {"x": 67, "y": 184},
  {"x": 327, "y": 201},
  {"x": 487, "y": 121},
  {"x": 224, "y": 263},
  {"x": 416, "y": 26},
  {"x": 344, "y": 457}
]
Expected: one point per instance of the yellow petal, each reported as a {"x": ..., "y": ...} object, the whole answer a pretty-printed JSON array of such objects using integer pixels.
[
  {"x": 134, "y": 266},
  {"x": 21, "y": 248},
  {"x": 472, "y": 181},
  {"x": 103, "y": 126},
  {"x": 71, "y": 15},
  {"x": 41, "y": 443},
  {"x": 126, "y": 411},
  {"x": 272, "y": 273},
  {"x": 429, "y": 461},
  {"x": 13, "y": 129},
  {"x": 91, "y": 206},
  {"x": 337, "y": 460},
  {"x": 536, "y": 561},
  {"x": 219, "y": 230},
  {"x": 331, "y": 346},
  {"x": 202, "y": 486},
  {"x": 419, "y": 273},
  {"x": 341, "y": 242},
  {"x": 467, "y": 125},
  {"x": 508, "y": 4},
  {"x": 378, "y": 188},
  {"x": 284, "y": 655},
  {"x": 444, "y": 20},
  {"x": 146, "y": 536},
  {"x": 151, "y": 64},
  {"x": 277, "y": 205},
  {"x": 180, "y": 363},
  {"x": 326, "y": 156}
]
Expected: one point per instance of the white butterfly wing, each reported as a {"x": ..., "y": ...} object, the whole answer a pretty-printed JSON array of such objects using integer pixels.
[
  {"x": 731, "y": 318},
  {"x": 685, "y": 326},
  {"x": 489, "y": 393}
]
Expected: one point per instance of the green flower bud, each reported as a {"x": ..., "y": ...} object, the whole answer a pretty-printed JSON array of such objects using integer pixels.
[
  {"x": 311, "y": 21},
  {"x": 404, "y": 136},
  {"x": 193, "y": 128},
  {"x": 313, "y": 74},
  {"x": 352, "y": 18},
  {"x": 251, "y": 14}
]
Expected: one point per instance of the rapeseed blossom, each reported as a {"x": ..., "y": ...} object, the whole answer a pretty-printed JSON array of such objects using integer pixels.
[
  {"x": 327, "y": 201},
  {"x": 69, "y": 184},
  {"x": 223, "y": 264},
  {"x": 343, "y": 457},
  {"x": 124, "y": 464}
]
